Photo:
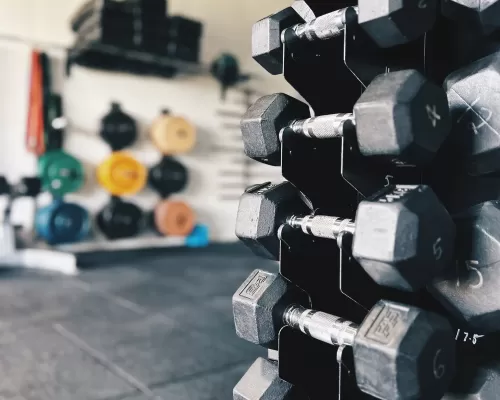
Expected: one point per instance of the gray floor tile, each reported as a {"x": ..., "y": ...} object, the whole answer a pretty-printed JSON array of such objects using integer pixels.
[
  {"x": 217, "y": 385},
  {"x": 28, "y": 297},
  {"x": 165, "y": 322},
  {"x": 37, "y": 363},
  {"x": 114, "y": 277},
  {"x": 162, "y": 355}
]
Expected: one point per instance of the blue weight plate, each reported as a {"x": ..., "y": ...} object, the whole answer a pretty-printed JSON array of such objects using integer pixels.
[{"x": 69, "y": 223}]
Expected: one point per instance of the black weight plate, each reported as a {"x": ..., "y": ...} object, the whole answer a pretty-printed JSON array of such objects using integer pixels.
[
  {"x": 118, "y": 129},
  {"x": 120, "y": 219},
  {"x": 169, "y": 176}
]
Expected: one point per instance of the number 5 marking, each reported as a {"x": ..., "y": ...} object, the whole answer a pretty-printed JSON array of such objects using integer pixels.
[
  {"x": 469, "y": 266},
  {"x": 422, "y": 4},
  {"x": 388, "y": 180},
  {"x": 475, "y": 337}
]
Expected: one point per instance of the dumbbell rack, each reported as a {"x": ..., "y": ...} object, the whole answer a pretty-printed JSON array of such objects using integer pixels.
[{"x": 335, "y": 177}]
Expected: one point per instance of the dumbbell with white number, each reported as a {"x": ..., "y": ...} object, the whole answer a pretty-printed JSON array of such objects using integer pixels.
[
  {"x": 403, "y": 236},
  {"x": 388, "y": 22},
  {"x": 400, "y": 352},
  {"x": 482, "y": 15},
  {"x": 466, "y": 288},
  {"x": 401, "y": 117},
  {"x": 262, "y": 382}
]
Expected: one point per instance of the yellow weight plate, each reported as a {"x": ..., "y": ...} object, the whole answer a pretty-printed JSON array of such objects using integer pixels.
[
  {"x": 121, "y": 174},
  {"x": 173, "y": 135}
]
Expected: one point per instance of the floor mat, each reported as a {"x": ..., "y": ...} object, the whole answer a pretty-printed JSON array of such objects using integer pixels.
[{"x": 152, "y": 328}]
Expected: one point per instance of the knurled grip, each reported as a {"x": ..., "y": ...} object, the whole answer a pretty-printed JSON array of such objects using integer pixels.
[
  {"x": 321, "y": 326},
  {"x": 322, "y": 226},
  {"x": 322, "y": 127},
  {"x": 326, "y": 26}
]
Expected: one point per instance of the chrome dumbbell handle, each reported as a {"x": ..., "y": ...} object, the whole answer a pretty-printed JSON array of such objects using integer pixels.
[{"x": 321, "y": 326}]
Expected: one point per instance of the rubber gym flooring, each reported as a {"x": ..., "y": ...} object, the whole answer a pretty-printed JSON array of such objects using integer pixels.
[{"x": 151, "y": 328}]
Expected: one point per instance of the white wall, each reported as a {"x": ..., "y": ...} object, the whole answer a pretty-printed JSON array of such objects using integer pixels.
[{"x": 87, "y": 95}]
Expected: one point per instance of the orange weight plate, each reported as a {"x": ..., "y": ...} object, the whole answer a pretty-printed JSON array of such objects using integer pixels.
[{"x": 174, "y": 218}]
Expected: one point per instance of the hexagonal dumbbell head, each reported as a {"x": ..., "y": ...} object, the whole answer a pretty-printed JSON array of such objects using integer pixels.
[
  {"x": 403, "y": 352},
  {"x": 262, "y": 210},
  {"x": 466, "y": 288},
  {"x": 262, "y": 382},
  {"x": 262, "y": 123},
  {"x": 476, "y": 122},
  {"x": 402, "y": 116},
  {"x": 267, "y": 48},
  {"x": 476, "y": 383},
  {"x": 404, "y": 237},
  {"x": 479, "y": 14},
  {"x": 394, "y": 22},
  {"x": 259, "y": 304}
]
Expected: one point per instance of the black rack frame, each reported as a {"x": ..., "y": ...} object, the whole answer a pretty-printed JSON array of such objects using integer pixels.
[{"x": 335, "y": 177}]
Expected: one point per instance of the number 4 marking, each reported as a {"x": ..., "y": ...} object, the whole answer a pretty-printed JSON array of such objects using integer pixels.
[{"x": 433, "y": 114}]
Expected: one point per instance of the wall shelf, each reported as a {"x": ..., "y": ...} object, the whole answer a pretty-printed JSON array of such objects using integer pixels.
[{"x": 102, "y": 56}]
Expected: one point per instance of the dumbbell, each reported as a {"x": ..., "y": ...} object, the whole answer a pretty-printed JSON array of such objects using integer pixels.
[
  {"x": 472, "y": 94},
  {"x": 476, "y": 382},
  {"x": 62, "y": 222},
  {"x": 118, "y": 129},
  {"x": 403, "y": 236},
  {"x": 388, "y": 22},
  {"x": 26, "y": 187},
  {"x": 401, "y": 117},
  {"x": 172, "y": 134},
  {"x": 120, "y": 219},
  {"x": 167, "y": 177},
  {"x": 121, "y": 174},
  {"x": 262, "y": 382},
  {"x": 400, "y": 352},
  {"x": 60, "y": 172},
  {"x": 174, "y": 218},
  {"x": 478, "y": 14},
  {"x": 466, "y": 288}
]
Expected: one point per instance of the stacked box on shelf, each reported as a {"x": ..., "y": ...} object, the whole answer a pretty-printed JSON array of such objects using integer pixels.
[{"x": 138, "y": 25}]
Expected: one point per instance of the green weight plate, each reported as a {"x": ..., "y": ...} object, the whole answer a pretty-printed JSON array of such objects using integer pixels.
[{"x": 60, "y": 173}]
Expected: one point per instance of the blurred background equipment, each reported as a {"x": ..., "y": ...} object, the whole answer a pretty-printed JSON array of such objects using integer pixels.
[
  {"x": 169, "y": 176},
  {"x": 121, "y": 174},
  {"x": 172, "y": 134},
  {"x": 141, "y": 38},
  {"x": 60, "y": 173},
  {"x": 120, "y": 219},
  {"x": 174, "y": 218},
  {"x": 123, "y": 262},
  {"x": 62, "y": 222},
  {"x": 118, "y": 129}
]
